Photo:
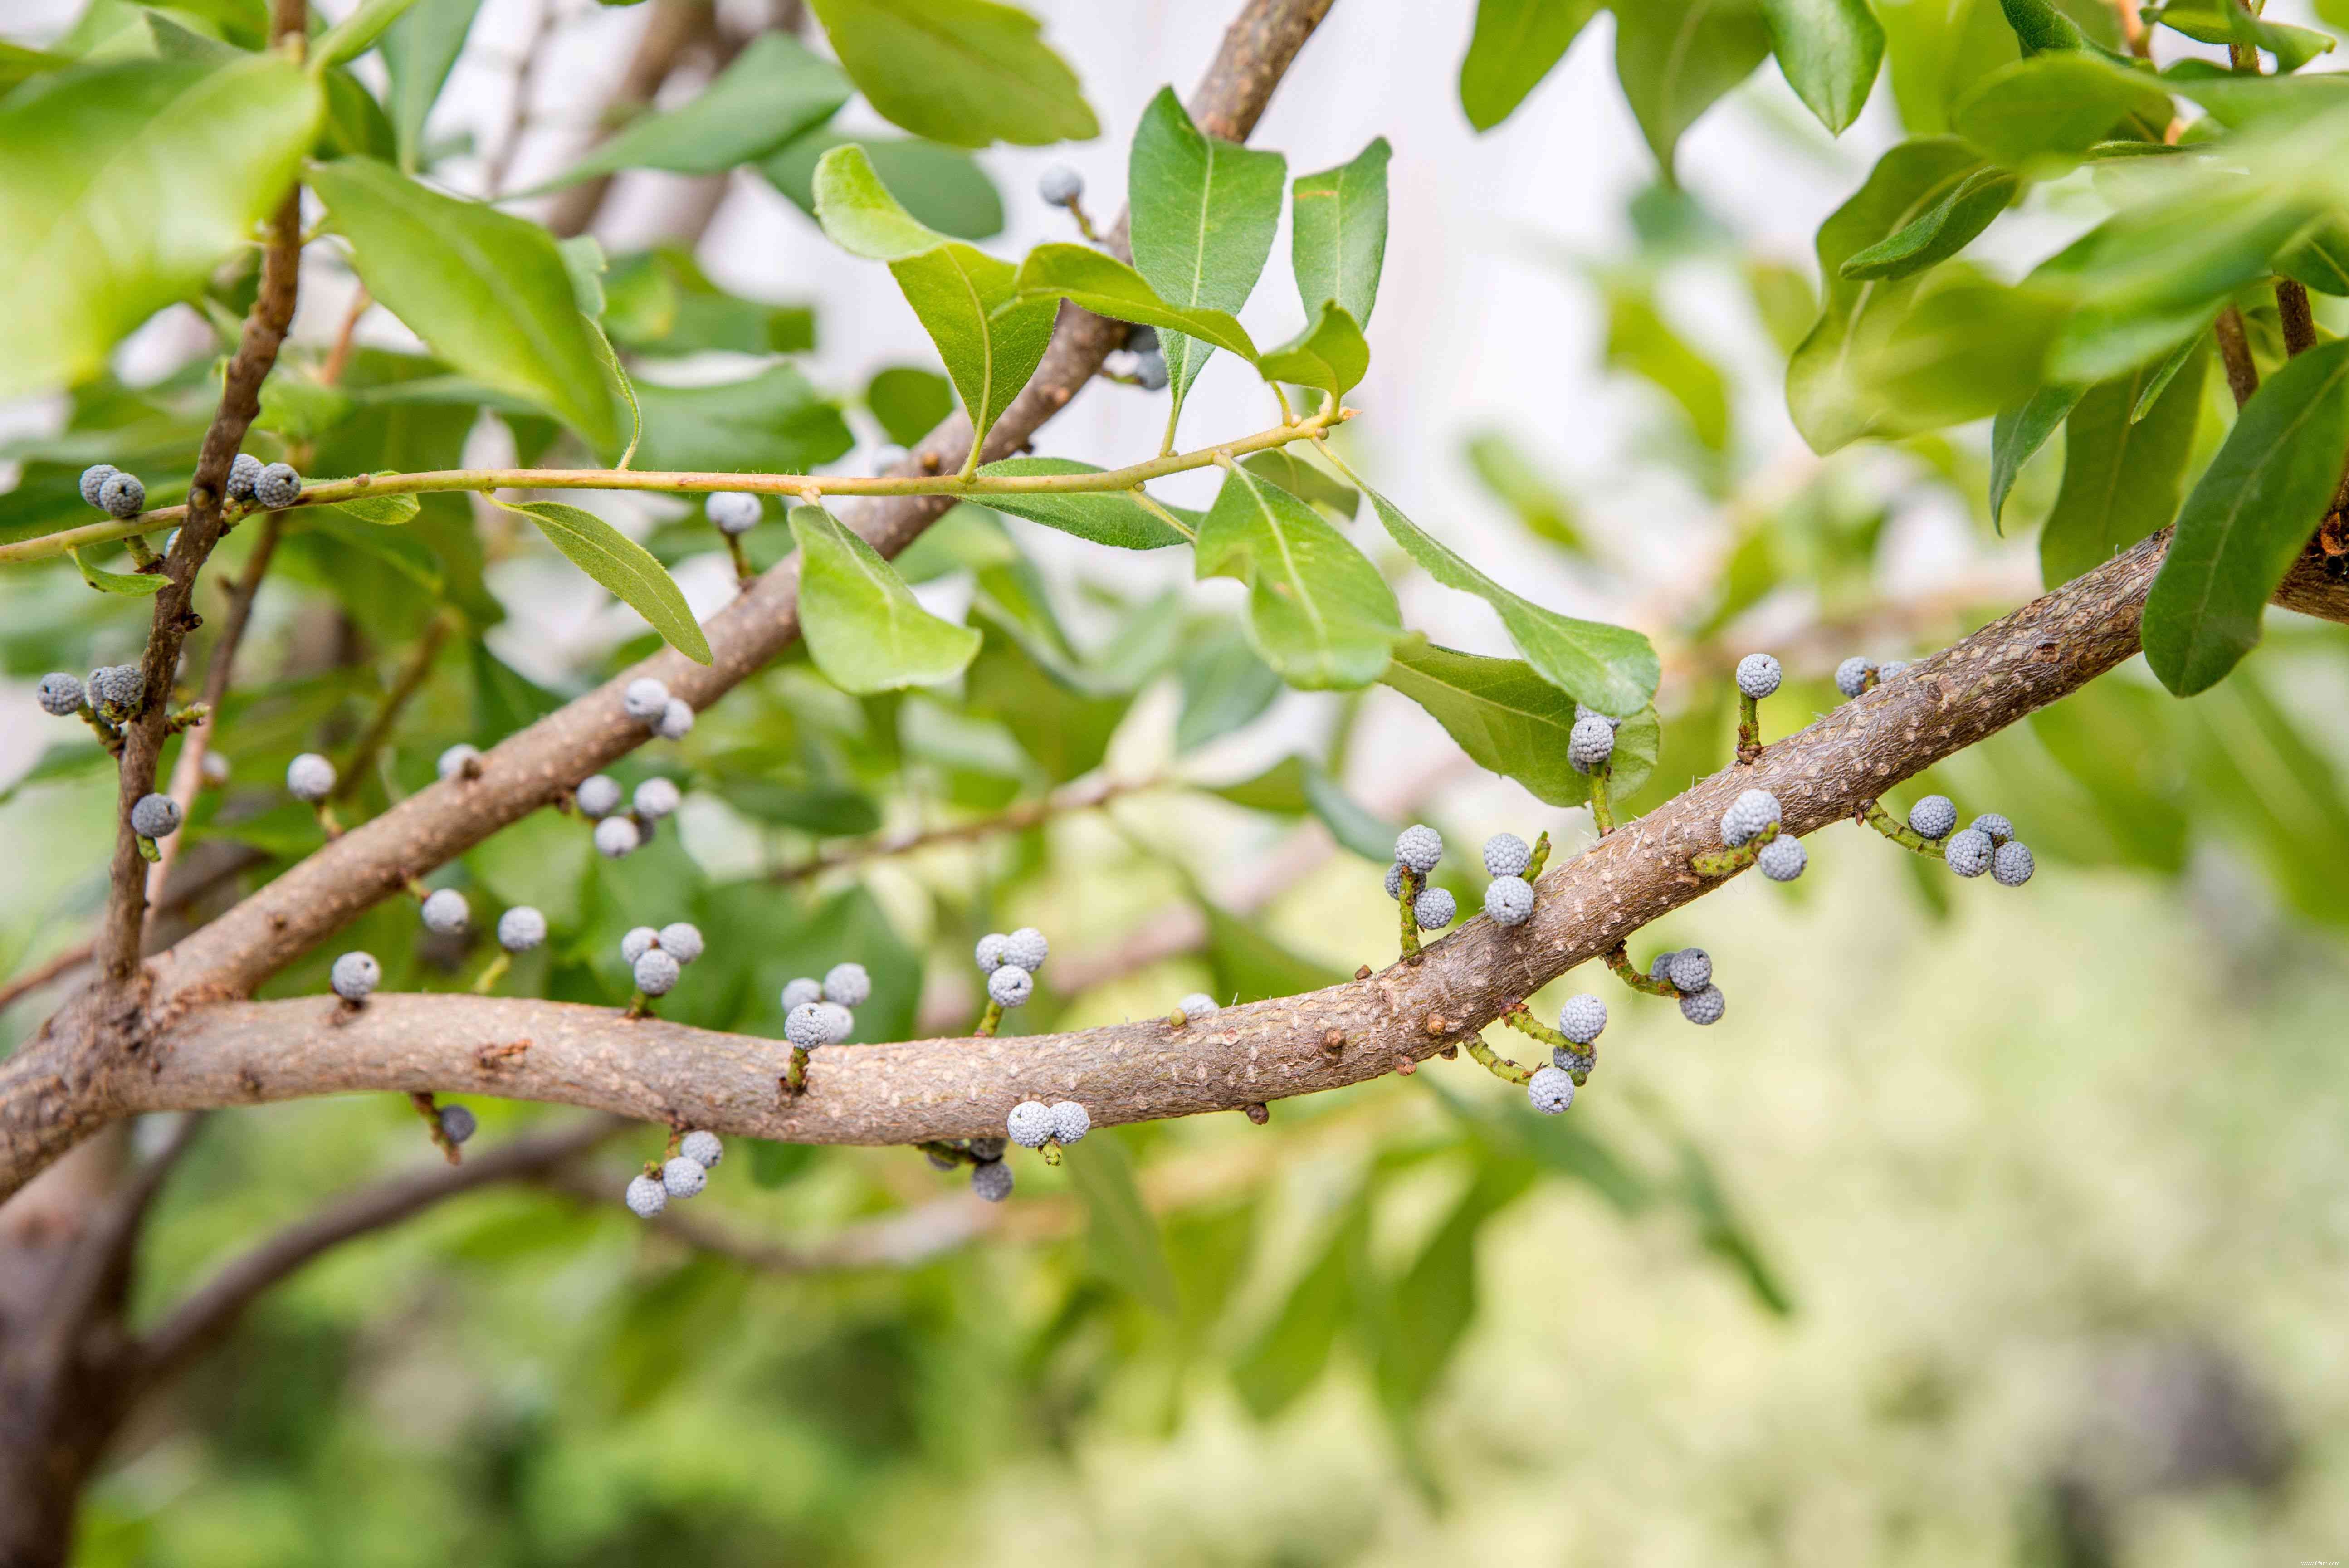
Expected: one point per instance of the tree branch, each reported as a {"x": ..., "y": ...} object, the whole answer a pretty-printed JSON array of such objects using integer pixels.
[
  {"x": 200, "y": 1320},
  {"x": 1084, "y": 795}
]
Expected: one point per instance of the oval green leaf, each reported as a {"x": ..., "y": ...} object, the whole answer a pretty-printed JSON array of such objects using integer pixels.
[
  {"x": 863, "y": 626},
  {"x": 623, "y": 566}
]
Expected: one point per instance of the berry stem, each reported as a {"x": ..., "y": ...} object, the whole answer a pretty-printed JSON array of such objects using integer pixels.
[
  {"x": 1541, "y": 856},
  {"x": 744, "y": 574},
  {"x": 187, "y": 718},
  {"x": 938, "y": 1148},
  {"x": 1406, "y": 899},
  {"x": 640, "y": 1006},
  {"x": 1729, "y": 862},
  {"x": 429, "y": 1109},
  {"x": 1500, "y": 1066},
  {"x": 142, "y": 553},
  {"x": 108, "y": 735},
  {"x": 488, "y": 979},
  {"x": 1076, "y": 205},
  {"x": 1602, "y": 807},
  {"x": 1873, "y": 813},
  {"x": 795, "y": 1073},
  {"x": 328, "y": 825},
  {"x": 147, "y": 850},
  {"x": 1749, "y": 729},
  {"x": 1521, "y": 1019},
  {"x": 990, "y": 1018},
  {"x": 1051, "y": 1151},
  {"x": 1619, "y": 958}
]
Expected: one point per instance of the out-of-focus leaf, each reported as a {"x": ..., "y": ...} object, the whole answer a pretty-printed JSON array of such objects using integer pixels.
[
  {"x": 1725, "y": 1234},
  {"x": 774, "y": 91},
  {"x": 2320, "y": 259},
  {"x": 1514, "y": 481},
  {"x": 862, "y": 623},
  {"x": 1251, "y": 964},
  {"x": 2019, "y": 431},
  {"x": 965, "y": 72},
  {"x": 1122, "y": 1237},
  {"x": 356, "y": 33},
  {"x": 1675, "y": 57},
  {"x": 541, "y": 861},
  {"x": 2254, "y": 768},
  {"x": 2044, "y": 113},
  {"x": 828, "y": 811},
  {"x": 488, "y": 291},
  {"x": 943, "y": 187},
  {"x": 622, "y": 565},
  {"x": 910, "y": 403},
  {"x": 1940, "y": 232},
  {"x": 774, "y": 1165},
  {"x": 1338, "y": 237},
  {"x": 1562, "y": 1145},
  {"x": 1317, "y": 610},
  {"x": 2250, "y": 515},
  {"x": 1224, "y": 686},
  {"x": 1289, "y": 1355},
  {"x": 504, "y": 700},
  {"x": 1611, "y": 667},
  {"x": 1830, "y": 51},
  {"x": 2230, "y": 22},
  {"x": 122, "y": 186},
  {"x": 1511, "y": 721},
  {"x": 2122, "y": 475},
  {"x": 1436, "y": 1298},
  {"x": 18, "y": 64},
  {"x": 1640, "y": 340},
  {"x": 774, "y": 422},
  {"x": 1204, "y": 215},
  {"x": 1113, "y": 517},
  {"x": 1306, "y": 481},
  {"x": 660, "y": 302},
  {"x": 1959, "y": 350},
  {"x": 1938, "y": 50},
  {"x": 355, "y": 124},
  {"x": 1348, "y": 821},
  {"x": 1515, "y": 44},
  {"x": 1280, "y": 789},
  {"x": 1107, "y": 287},
  {"x": 418, "y": 52}
]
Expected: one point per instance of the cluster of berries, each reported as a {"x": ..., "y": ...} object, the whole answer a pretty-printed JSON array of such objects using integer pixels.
[
  {"x": 1010, "y": 962},
  {"x": 656, "y": 959},
  {"x": 1859, "y": 673},
  {"x": 1418, "y": 849},
  {"x": 1551, "y": 1088},
  {"x": 683, "y": 1175},
  {"x": 818, "y": 1011},
  {"x": 113, "y": 492},
  {"x": 1754, "y": 814},
  {"x": 1689, "y": 972},
  {"x": 1988, "y": 843},
  {"x": 355, "y": 976},
  {"x": 617, "y": 832},
  {"x": 1032, "y": 1123},
  {"x": 113, "y": 693},
  {"x": 1508, "y": 897}
]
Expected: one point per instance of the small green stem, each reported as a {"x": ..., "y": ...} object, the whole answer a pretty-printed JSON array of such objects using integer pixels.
[
  {"x": 147, "y": 850},
  {"x": 327, "y": 821},
  {"x": 990, "y": 1018},
  {"x": 1749, "y": 729},
  {"x": 1729, "y": 862},
  {"x": 953, "y": 1152},
  {"x": 744, "y": 572},
  {"x": 1602, "y": 807},
  {"x": 1521, "y": 1019},
  {"x": 108, "y": 735},
  {"x": 142, "y": 553},
  {"x": 1051, "y": 1151},
  {"x": 1619, "y": 958},
  {"x": 1407, "y": 898},
  {"x": 1873, "y": 813},
  {"x": 1541, "y": 856},
  {"x": 187, "y": 718},
  {"x": 1500, "y": 1066},
  {"x": 488, "y": 979},
  {"x": 796, "y": 1072},
  {"x": 429, "y": 1109},
  {"x": 640, "y": 1006}
]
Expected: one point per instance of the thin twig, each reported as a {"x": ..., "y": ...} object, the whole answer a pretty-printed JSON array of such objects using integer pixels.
[
  {"x": 2235, "y": 354},
  {"x": 412, "y": 677},
  {"x": 1085, "y": 795}
]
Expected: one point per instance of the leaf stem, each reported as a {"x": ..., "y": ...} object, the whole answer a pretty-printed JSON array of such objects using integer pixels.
[
  {"x": 1602, "y": 805},
  {"x": 1873, "y": 813},
  {"x": 1749, "y": 729}
]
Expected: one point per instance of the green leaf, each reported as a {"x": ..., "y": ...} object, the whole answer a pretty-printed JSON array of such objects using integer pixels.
[
  {"x": 130, "y": 585},
  {"x": 2122, "y": 475},
  {"x": 1252, "y": 965},
  {"x": 2320, "y": 259},
  {"x": 2250, "y": 515},
  {"x": 1962, "y": 351},
  {"x": 1305, "y": 481},
  {"x": 1829, "y": 51},
  {"x": 1938, "y": 50},
  {"x": 1940, "y": 231},
  {"x": 2043, "y": 114},
  {"x": 418, "y": 51},
  {"x": 943, "y": 187},
  {"x": 1512, "y": 722},
  {"x": 122, "y": 187},
  {"x": 1436, "y": 1298},
  {"x": 1675, "y": 57},
  {"x": 2230, "y": 22},
  {"x": 908, "y": 402},
  {"x": 1725, "y": 1234},
  {"x": 2236, "y": 101},
  {"x": 2020, "y": 431},
  {"x": 1611, "y": 667},
  {"x": 863, "y": 627},
  {"x": 1639, "y": 339},
  {"x": 860, "y": 215},
  {"x": 384, "y": 510},
  {"x": 773, "y": 422},
  {"x": 2040, "y": 27},
  {"x": 1337, "y": 233},
  {"x": 488, "y": 292},
  {"x": 1351, "y": 824},
  {"x": 355, "y": 124},
  {"x": 1515, "y": 45},
  {"x": 18, "y": 64},
  {"x": 622, "y": 565},
  {"x": 661, "y": 302},
  {"x": 1204, "y": 215},
  {"x": 1289, "y": 1355},
  {"x": 964, "y": 72},
  {"x": 356, "y": 33},
  {"x": 1319, "y": 612},
  {"x": 1504, "y": 471},
  {"x": 773, "y": 92},
  {"x": 1114, "y": 517},
  {"x": 1328, "y": 356},
  {"x": 1107, "y": 287},
  {"x": 1224, "y": 686},
  {"x": 1122, "y": 1238}
]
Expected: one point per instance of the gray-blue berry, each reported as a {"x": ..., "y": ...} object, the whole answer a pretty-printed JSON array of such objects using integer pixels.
[
  {"x": 1783, "y": 859},
  {"x": 118, "y": 689},
  {"x": 1010, "y": 985},
  {"x": 1660, "y": 966},
  {"x": 1999, "y": 828},
  {"x": 734, "y": 512},
  {"x": 1509, "y": 901},
  {"x": 1419, "y": 847},
  {"x": 1150, "y": 369},
  {"x": 122, "y": 496},
  {"x": 803, "y": 992},
  {"x": 681, "y": 939},
  {"x": 598, "y": 795},
  {"x": 1705, "y": 1006},
  {"x": 1071, "y": 1121},
  {"x": 458, "y": 1123},
  {"x": 642, "y": 700},
  {"x": 61, "y": 694},
  {"x": 806, "y": 1027},
  {"x": 702, "y": 1147},
  {"x": 1851, "y": 675},
  {"x": 1692, "y": 969},
  {"x": 1030, "y": 1123},
  {"x": 1551, "y": 1089},
  {"x": 2011, "y": 866},
  {"x": 1933, "y": 817},
  {"x": 1750, "y": 813},
  {"x": 93, "y": 480},
  {"x": 446, "y": 913},
  {"x": 521, "y": 928},
  {"x": 1506, "y": 855},
  {"x": 1198, "y": 1004},
  {"x": 244, "y": 473},
  {"x": 988, "y": 953},
  {"x": 656, "y": 798},
  {"x": 1027, "y": 948},
  {"x": 1589, "y": 743},
  {"x": 155, "y": 817},
  {"x": 277, "y": 486},
  {"x": 617, "y": 837},
  {"x": 1582, "y": 1018},
  {"x": 1060, "y": 186},
  {"x": 1969, "y": 853},
  {"x": 838, "y": 1023},
  {"x": 991, "y": 1179},
  {"x": 1758, "y": 675},
  {"x": 646, "y": 1196},
  {"x": 1394, "y": 881},
  {"x": 684, "y": 1178},
  {"x": 355, "y": 975},
  {"x": 676, "y": 720},
  {"x": 1584, "y": 710},
  {"x": 464, "y": 757},
  {"x": 310, "y": 778},
  {"x": 1433, "y": 908},
  {"x": 1575, "y": 1065},
  {"x": 637, "y": 942},
  {"x": 1888, "y": 668},
  {"x": 655, "y": 973},
  {"x": 848, "y": 984}
]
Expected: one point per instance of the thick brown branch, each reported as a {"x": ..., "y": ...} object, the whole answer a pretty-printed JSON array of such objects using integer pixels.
[{"x": 197, "y": 1322}]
